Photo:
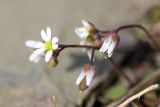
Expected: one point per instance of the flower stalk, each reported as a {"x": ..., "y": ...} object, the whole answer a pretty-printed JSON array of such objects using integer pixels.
[
  {"x": 156, "y": 45},
  {"x": 63, "y": 46},
  {"x": 92, "y": 57}
]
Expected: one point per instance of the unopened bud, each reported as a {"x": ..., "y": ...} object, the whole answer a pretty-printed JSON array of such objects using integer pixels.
[
  {"x": 53, "y": 62},
  {"x": 82, "y": 85},
  {"x": 85, "y": 78},
  {"x": 109, "y": 44}
]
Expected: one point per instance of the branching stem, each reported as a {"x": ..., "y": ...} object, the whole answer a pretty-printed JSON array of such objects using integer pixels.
[{"x": 142, "y": 28}]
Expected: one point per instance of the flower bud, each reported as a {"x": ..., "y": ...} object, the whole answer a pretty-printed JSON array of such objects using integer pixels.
[
  {"x": 53, "y": 62},
  {"x": 86, "y": 76},
  {"x": 109, "y": 44}
]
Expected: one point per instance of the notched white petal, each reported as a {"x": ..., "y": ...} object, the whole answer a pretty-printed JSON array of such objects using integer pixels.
[
  {"x": 89, "y": 77},
  {"x": 102, "y": 49},
  {"x": 85, "y": 23},
  {"x": 34, "y": 44},
  {"x": 49, "y": 35},
  {"x": 39, "y": 45},
  {"x": 30, "y": 43},
  {"x": 33, "y": 57},
  {"x": 111, "y": 48},
  {"x": 54, "y": 46},
  {"x": 39, "y": 51},
  {"x": 48, "y": 55},
  {"x": 44, "y": 36},
  {"x": 89, "y": 53},
  {"x": 106, "y": 45},
  {"x": 80, "y": 77},
  {"x": 55, "y": 40},
  {"x": 37, "y": 59},
  {"x": 81, "y": 32},
  {"x": 80, "y": 29}
]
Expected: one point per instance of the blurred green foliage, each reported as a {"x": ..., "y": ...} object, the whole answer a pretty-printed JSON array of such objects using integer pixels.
[
  {"x": 153, "y": 15},
  {"x": 115, "y": 92}
]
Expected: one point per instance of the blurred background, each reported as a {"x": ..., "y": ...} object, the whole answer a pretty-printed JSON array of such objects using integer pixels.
[{"x": 25, "y": 84}]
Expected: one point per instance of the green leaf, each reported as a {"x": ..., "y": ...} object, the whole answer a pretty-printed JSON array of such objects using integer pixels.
[{"x": 115, "y": 92}]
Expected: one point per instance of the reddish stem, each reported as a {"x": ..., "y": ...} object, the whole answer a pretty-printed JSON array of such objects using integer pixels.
[
  {"x": 92, "y": 57},
  {"x": 78, "y": 46},
  {"x": 142, "y": 28}
]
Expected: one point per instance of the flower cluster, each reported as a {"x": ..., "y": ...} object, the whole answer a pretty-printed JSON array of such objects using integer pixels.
[{"x": 91, "y": 39}]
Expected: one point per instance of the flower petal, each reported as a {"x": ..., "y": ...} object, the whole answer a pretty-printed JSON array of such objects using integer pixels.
[
  {"x": 106, "y": 44},
  {"x": 85, "y": 23},
  {"x": 48, "y": 55},
  {"x": 49, "y": 35},
  {"x": 33, "y": 57},
  {"x": 54, "y": 46},
  {"x": 81, "y": 32},
  {"x": 82, "y": 42},
  {"x": 102, "y": 49},
  {"x": 44, "y": 36},
  {"x": 89, "y": 53},
  {"x": 111, "y": 48},
  {"x": 55, "y": 40},
  {"x": 89, "y": 78},
  {"x": 80, "y": 77},
  {"x": 39, "y": 51},
  {"x": 37, "y": 59},
  {"x": 34, "y": 44}
]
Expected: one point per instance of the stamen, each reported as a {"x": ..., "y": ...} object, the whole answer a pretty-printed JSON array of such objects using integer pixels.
[{"x": 48, "y": 45}]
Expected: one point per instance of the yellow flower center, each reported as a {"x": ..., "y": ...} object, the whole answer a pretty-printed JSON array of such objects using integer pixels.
[
  {"x": 90, "y": 40},
  {"x": 48, "y": 45},
  {"x": 90, "y": 30}
]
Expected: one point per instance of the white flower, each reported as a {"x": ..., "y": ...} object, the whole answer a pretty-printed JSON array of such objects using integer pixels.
[
  {"x": 109, "y": 44},
  {"x": 44, "y": 48},
  {"x": 84, "y": 32},
  {"x": 85, "y": 78}
]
